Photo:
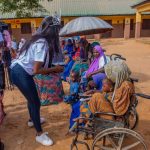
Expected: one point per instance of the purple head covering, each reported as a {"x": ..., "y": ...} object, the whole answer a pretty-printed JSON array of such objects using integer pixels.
[{"x": 95, "y": 63}]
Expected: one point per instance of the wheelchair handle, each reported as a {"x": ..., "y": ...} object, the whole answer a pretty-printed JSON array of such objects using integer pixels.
[
  {"x": 120, "y": 58},
  {"x": 143, "y": 95},
  {"x": 117, "y": 55},
  {"x": 134, "y": 80}
]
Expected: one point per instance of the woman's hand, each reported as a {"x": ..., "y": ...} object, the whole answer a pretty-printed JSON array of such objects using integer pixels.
[
  {"x": 58, "y": 69},
  {"x": 89, "y": 76},
  {"x": 88, "y": 93},
  {"x": 39, "y": 70}
]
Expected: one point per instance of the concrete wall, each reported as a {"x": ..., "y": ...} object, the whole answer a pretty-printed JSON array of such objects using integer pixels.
[
  {"x": 118, "y": 31},
  {"x": 17, "y": 34}
]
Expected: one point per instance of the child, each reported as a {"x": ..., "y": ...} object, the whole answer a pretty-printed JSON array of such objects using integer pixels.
[
  {"x": 72, "y": 99},
  {"x": 96, "y": 102},
  {"x": 74, "y": 88},
  {"x": 67, "y": 68}
]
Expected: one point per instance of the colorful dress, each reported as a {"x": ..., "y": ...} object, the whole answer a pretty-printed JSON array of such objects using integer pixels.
[{"x": 49, "y": 88}]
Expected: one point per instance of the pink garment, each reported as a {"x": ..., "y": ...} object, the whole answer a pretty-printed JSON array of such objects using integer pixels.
[
  {"x": 7, "y": 38},
  {"x": 95, "y": 63}
]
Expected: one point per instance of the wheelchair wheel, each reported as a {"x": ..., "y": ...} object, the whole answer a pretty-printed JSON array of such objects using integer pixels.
[
  {"x": 132, "y": 119},
  {"x": 118, "y": 139}
]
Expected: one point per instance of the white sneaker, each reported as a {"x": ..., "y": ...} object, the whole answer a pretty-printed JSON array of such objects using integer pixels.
[
  {"x": 30, "y": 123},
  {"x": 44, "y": 139}
]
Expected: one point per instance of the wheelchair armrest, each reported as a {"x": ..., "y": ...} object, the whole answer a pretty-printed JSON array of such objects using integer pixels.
[
  {"x": 106, "y": 113},
  {"x": 83, "y": 118},
  {"x": 84, "y": 99},
  {"x": 134, "y": 80},
  {"x": 85, "y": 96}
]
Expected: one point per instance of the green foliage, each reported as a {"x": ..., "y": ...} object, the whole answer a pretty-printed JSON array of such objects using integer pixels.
[{"x": 21, "y": 8}]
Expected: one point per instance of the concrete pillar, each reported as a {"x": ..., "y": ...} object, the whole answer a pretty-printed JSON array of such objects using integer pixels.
[
  {"x": 127, "y": 28},
  {"x": 138, "y": 25}
]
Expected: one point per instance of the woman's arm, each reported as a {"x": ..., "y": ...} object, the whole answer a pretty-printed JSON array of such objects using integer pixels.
[
  {"x": 37, "y": 69},
  {"x": 96, "y": 72}
]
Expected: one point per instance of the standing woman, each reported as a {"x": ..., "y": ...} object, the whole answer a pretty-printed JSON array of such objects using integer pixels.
[{"x": 35, "y": 57}]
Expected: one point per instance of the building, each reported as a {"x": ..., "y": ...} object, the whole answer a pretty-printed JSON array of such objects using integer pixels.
[{"x": 129, "y": 18}]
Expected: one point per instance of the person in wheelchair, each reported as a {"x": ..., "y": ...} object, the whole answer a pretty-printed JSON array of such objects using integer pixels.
[
  {"x": 111, "y": 100},
  {"x": 100, "y": 100}
]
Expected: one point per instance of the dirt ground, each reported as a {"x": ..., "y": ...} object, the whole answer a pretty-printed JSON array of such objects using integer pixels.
[{"x": 17, "y": 136}]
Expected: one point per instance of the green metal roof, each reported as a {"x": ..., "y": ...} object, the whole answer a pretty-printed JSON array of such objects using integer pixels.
[
  {"x": 85, "y": 8},
  {"x": 91, "y": 7}
]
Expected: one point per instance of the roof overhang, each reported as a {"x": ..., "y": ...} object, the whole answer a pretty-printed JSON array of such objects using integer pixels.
[{"x": 141, "y": 3}]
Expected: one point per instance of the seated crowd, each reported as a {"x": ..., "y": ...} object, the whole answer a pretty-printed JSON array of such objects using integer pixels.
[{"x": 109, "y": 93}]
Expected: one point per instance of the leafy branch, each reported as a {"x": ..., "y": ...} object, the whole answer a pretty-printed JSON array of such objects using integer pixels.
[{"x": 22, "y": 8}]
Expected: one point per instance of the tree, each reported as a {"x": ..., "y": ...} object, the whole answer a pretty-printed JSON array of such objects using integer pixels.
[{"x": 21, "y": 8}]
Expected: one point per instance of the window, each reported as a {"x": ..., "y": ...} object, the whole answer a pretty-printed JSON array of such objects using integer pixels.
[
  {"x": 146, "y": 24},
  {"x": 26, "y": 28},
  {"x": 132, "y": 24}
]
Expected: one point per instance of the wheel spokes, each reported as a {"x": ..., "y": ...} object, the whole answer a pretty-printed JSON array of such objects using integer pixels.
[
  {"x": 112, "y": 142},
  {"x": 131, "y": 146},
  {"x": 120, "y": 142}
]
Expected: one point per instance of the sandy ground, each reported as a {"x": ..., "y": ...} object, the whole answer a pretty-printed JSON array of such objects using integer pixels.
[{"x": 17, "y": 136}]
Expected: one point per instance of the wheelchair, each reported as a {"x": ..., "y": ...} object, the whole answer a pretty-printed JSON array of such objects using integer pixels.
[{"x": 115, "y": 134}]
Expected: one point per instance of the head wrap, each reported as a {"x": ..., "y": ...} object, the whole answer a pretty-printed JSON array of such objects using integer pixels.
[
  {"x": 95, "y": 64},
  {"x": 95, "y": 44},
  {"x": 117, "y": 71},
  {"x": 56, "y": 21}
]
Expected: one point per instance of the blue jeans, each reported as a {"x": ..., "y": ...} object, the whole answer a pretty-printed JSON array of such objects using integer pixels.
[{"x": 26, "y": 85}]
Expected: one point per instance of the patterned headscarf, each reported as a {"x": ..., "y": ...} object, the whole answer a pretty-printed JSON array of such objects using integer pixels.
[
  {"x": 117, "y": 71},
  {"x": 56, "y": 21}
]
